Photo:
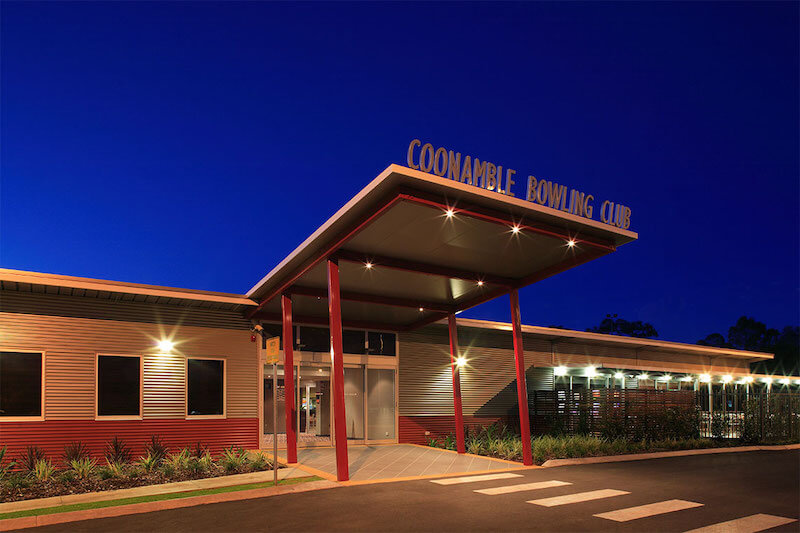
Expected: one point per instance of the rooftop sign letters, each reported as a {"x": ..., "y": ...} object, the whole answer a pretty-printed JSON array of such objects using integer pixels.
[{"x": 489, "y": 176}]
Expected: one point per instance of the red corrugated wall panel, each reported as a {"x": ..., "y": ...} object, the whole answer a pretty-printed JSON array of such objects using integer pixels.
[
  {"x": 52, "y": 435},
  {"x": 413, "y": 428}
]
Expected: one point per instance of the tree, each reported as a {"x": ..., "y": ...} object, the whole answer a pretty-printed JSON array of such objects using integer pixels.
[
  {"x": 752, "y": 335},
  {"x": 612, "y": 325},
  {"x": 715, "y": 339}
]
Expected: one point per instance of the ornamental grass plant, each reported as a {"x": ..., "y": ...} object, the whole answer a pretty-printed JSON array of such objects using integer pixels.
[
  {"x": 499, "y": 441},
  {"x": 82, "y": 474}
]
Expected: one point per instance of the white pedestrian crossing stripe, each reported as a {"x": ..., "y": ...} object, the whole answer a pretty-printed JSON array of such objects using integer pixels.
[
  {"x": 473, "y": 479},
  {"x": 578, "y": 497},
  {"x": 651, "y": 509},
  {"x": 508, "y": 489},
  {"x": 748, "y": 524}
]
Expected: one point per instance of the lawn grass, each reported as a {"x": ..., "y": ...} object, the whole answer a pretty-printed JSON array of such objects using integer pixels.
[{"x": 152, "y": 498}]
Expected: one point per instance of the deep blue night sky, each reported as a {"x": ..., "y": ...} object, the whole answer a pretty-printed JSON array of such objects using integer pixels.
[{"x": 195, "y": 145}]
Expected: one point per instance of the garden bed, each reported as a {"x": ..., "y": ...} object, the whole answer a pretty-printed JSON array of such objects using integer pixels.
[
  {"x": 37, "y": 476},
  {"x": 499, "y": 442}
]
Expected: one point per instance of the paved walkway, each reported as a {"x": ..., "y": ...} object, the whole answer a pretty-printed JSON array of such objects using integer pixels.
[{"x": 399, "y": 461}]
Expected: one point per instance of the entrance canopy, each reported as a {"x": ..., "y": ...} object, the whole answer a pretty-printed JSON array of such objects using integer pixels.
[{"x": 413, "y": 247}]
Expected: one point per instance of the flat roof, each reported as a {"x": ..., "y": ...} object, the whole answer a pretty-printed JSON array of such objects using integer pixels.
[
  {"x": 566, "y": 335},
  {"x": 404, "y": 263},
  {"x": 38, "y": 282}
]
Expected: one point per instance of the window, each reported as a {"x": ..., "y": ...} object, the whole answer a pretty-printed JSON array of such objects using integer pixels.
[
  {"x": 119, "y": 383},
  {"x": 20, "y": 384},
  {"x": 353, "y": 342},
  {"x": 380, "y": 343},
  {"x": 314, "y": 339},
  {"x": 205, "y": 387}
]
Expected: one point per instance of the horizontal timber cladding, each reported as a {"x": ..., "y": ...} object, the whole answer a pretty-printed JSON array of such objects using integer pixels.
[
  {"x": 71, "y": 344},
  {"x": 418, "y": 429},
  {"x": 122, "y": 310},
  {"x": 51, "y": 436}
]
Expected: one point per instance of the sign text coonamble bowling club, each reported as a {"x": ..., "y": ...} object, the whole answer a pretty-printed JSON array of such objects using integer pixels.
[{"x": 487, "y": 175}]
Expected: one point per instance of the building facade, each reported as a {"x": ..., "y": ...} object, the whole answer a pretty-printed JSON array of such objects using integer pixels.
[
  {"x": 377, "y": 354},
  {"x": 83, "y": 360}
]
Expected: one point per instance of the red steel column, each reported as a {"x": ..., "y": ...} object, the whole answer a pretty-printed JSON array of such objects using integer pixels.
[
  {"x": 337, "y": 372},
  {"x": 451, "y": 324},
  {"x": 288, "y": 378},
  {"x": 522, "y": 389}
]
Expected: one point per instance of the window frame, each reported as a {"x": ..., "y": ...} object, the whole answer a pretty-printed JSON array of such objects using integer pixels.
[
  {"x": 224, "y": 414},
  {"x": 97, "y": 415},
  {"x": 41, "y": 415}
]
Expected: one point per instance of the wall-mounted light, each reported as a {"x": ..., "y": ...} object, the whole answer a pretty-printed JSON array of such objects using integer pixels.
[
  {"x": 514, "y": 229},
  {"x": 449, "y": 213},
  {"x": 705, "y": 378},
  {"x": 560, "y": 371},
  {"x": 619, "y": 375},
  {"x": 665, "y": 377},
  {"x": 165, "y": 346},
  {"x": 461, "y": 361},
  {"x": 571, "y": 243},
  {"x": 747, "y": 379},
  {"x": 368, "y": 265},
  {"x": 643, "y": 376},
  {"x": 727, "y": 378},
  {"x": 480, "y": 283},
  {"x": 591, "y": 372},
  {"x": 783, "y": 381},
  {"x": 686, "y": 378}
]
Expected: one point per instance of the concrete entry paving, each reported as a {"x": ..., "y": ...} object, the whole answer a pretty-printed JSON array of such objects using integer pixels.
[{"x": 400, "y": 461}]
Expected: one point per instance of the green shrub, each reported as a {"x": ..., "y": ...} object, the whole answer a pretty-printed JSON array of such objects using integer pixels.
[
  {"x": 43, "y": 470},
  {"x": 18, "y": 481},
  {"x": 718, "y": 426},
  {"x": 115, "y": 468},
  {"x": 199, "y": 450},
  {"x": 178, "y": 461},
  {"x": 233, "y": 460},
  {"x": 167, "y": 469},
  {"x": 206, "y": 460},
  {"x": 68, "y": 476},
  {"x": 260, "y": 462},
  {"x": 104, "y": 473},
  {"x": 5, "y": 468},
  {"x": 32, "y": 455},
  {"x": 117, "y": 451},
  {"x": 156, "y": 448},
  {"x": 148, "y": 463},
  {"x": 83, "y": 468},
  {"x": 75, "y": 451}
]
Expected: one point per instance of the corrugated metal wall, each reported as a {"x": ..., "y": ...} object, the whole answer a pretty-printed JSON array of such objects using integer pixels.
[
  {"x": 488, "y": 382},
  {"x": 425, "y": 378},
  {"x": 51, "y": 436},
  {"x": 71, "y": 343}
]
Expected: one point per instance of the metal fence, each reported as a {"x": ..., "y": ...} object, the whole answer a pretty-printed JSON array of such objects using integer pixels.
[{"x": 752, "y": 416}]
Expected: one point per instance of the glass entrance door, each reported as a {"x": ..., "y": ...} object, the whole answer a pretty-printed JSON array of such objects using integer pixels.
[
  {"x": 369, "y": 397},
  {"x": 314, "y": 408}
]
